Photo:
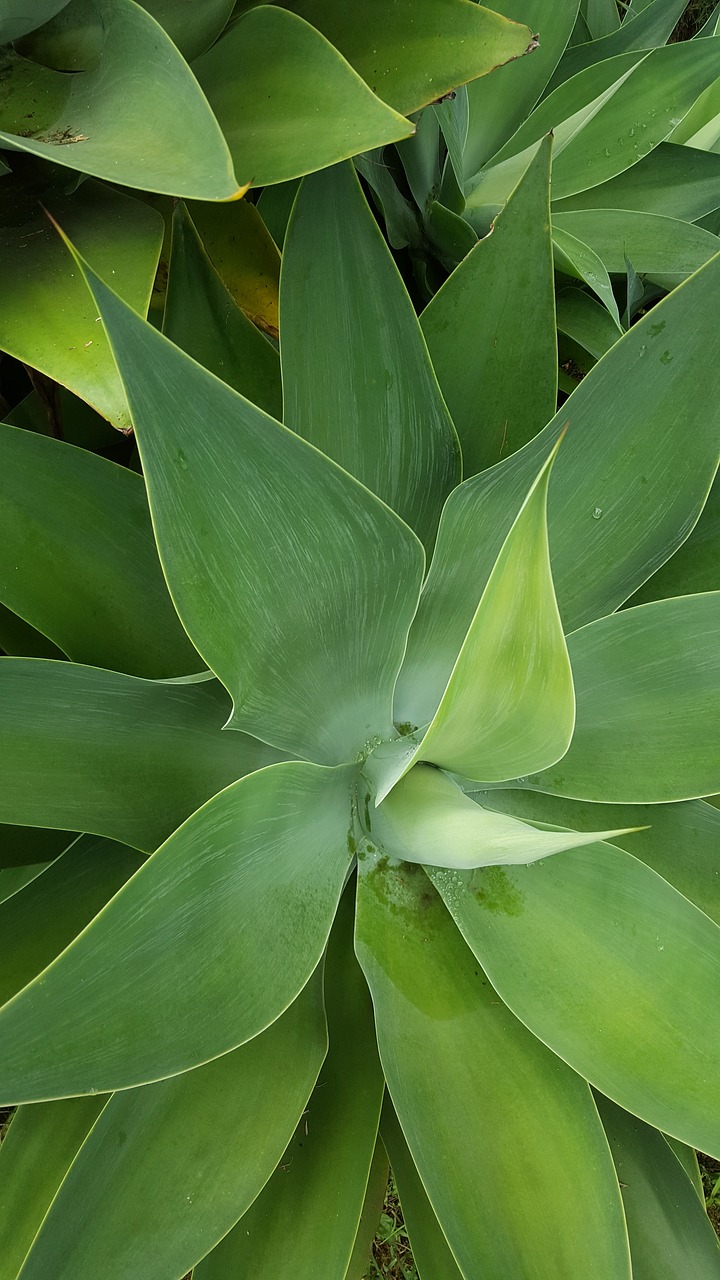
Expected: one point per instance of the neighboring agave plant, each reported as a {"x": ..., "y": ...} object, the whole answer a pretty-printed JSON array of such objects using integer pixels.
[{"x": 443, "y": 834}]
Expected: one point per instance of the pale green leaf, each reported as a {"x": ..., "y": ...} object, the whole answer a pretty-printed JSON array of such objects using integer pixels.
[
  {"x": 427, "y": 819},
  {"x": 472, "y": 1088},
  {"x": 613, "y": 969},
  {"x": 221, "y": 928},
  {"x": 370, "y": 1217},
  {"x": 78, "y": 560},
  {"x": 509, "y": 698},
  {"x": 161, "y": 136},
  {"x": 202, "y": 317},
  {"x": 168, "y": 1168},
  {"x": 695, "y": 567},
  {"x": 92, "y": 735},
  {"x": 576, "y": 258},
  {"x": 287, "y": 100},
  {"x": 584, "y": 320},
  {"x": 313, "y": 581},
  {"x": 665, "y": 249},
  {"x": 357, "y": 379},
  {"x": 628, "y": 485},
  {"x": 674, "y": 181},
  {"x": 500, "y": 393},
  {"x": 646, "y": 30},
  {"x": 647, "y": 683}
]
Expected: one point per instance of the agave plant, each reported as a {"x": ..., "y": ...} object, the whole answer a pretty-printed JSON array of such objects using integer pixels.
[{"x": 370, "y": 856}]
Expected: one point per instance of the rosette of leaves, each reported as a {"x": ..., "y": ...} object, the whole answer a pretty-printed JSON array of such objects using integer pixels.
[
  {"x": 636, "y": 182},
  {"x": 374, "y": 859}
]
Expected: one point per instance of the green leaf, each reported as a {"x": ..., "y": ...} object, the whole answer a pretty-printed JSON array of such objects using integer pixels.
[
  {"x": 674, "y": 181},
  {"x": 78, "y": 560},
  {"x": 202, "y": 317},
  {"x": 287, "y": 100},
  {"x": 689, "y": 1162},
  {"x": 578, "y": 259},
  {"x": 395, "y": 48},
  {"x": 611, "y": 968},
  {"x": 679, "y": 841},
  {"x": 40, "y": 283},
  {"x": 586, "y": 321},
  {"x": 13, "y": 879},
  {"x": 431, "y": 1251},
  {"x": 509, "y": 698},
  {"x": 665, "y": 249},
  {"x": 191, "y": 27},
  {"x": 16, "y": 21},
  {"x": 168, "y": 1168},
  {"x": 629, "y": 482},
  {"x": 91, "y": 735},
  {"x": 244, "y": 255},
  {"x": 275, "y": 206},
  {"x": 37, "y": 923},
  {"x": 627, "y": 114},
  {"x": 357, "y": 379},
  {"x": 270, "y": 851},
  {"x": 19, "y": 640},
  {"x": 305, "y": 1221},
  {"x": 499, "y": 103},
  {"x": 670, "y": 1233},
  {"x": 280, "y": 624},
  {"x": 35, "y": 1155},
  {"x": 500, "y": 393},
  {"x": 427, "y": 819},
  {"x": 372, "y": 1208},
  {"x": 695, "y": 567},
  {"x": 161, "y": 136},
  {"x": 647, "y": 683},
  {"x": 24, "y": 846},
  {"x": 492, "y": 1090},
  {"x": 646, "y": 30}
]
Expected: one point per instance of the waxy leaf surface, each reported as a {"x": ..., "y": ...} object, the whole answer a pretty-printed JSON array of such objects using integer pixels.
[
  {"x": 357, "y": 378},
  {"x": 221, "y": 928},
  {"x": 592, "y": 950},
  {"x": 471, "y": 1087},
  {"x": 296, "y": 585},
  {"x": 94, "y": 736},
  {"x": 189, "y": 1155}
]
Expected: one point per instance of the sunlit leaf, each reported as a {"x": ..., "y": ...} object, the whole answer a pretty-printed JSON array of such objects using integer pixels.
[{"x": 471, "y": 1088}]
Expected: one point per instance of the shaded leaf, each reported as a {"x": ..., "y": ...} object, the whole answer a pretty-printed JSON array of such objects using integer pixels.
[
  {"x": 695, "y": 567},
  {"x": 586, "y": 322},
  {"x": 244, "y": 255},
  {"x": 665, "y": 249}
]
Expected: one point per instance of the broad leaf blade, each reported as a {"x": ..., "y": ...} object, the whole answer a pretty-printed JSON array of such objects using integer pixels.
[
  {"x": 647, "y": 682},
  {"x": 169, "y": 1167},
  {"x": 270, "y": 851},
  {"x": 35, "y": 1155},
  {"x": 492, "y": 1090},
  {"x": 667, "y": 250},
  {"x": 357, "y": 379},
  {"x": 314, "y": 580},
  {"x": 613, "y": 969},
  {"x": 92, "y": 735},
  {"x": 305, "y": 1221},
  {"x": 677, "y": 182},
  {"x": 202, "y": 317},
  {"x": 396, "y": 49},
  {"x": 670, "y": 1233},
  {"x": 695, "y": 567},
  {"x": 427, "y": 819},
  {"x": 78, "y": 559},
  {"x": 500, "y": 393},
  {"x": 629, "y": 483},
  {"x": 287, "y": 100},
  {"x": 162, "y": 136}
]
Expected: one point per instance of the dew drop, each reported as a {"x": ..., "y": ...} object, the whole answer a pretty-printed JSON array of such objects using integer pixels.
[
  {"x": 181, "y": 460},
  {"x": 607, "y": 151},
  {"x": 665, "y": 357},
  {"x": 597, "y": 512}
]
